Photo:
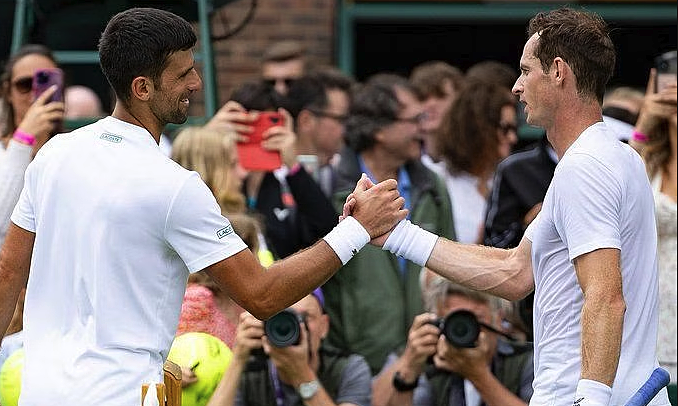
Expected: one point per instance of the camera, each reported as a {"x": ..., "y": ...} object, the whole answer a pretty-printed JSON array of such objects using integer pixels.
[
  {"x": 460, "y": 328},
  {"x": 284, "y": 329}
]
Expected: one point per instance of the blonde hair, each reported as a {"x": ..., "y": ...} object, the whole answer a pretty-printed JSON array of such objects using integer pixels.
[{"x": 210, "y": 153}]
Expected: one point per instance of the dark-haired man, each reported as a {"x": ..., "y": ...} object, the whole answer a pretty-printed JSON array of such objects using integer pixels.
[{"x": 110, "y": 229}]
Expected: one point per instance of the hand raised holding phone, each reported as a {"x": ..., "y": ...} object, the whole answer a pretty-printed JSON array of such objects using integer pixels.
[
  {"x": 269, "y": 143},
  {"x": 43, "y": 118}
]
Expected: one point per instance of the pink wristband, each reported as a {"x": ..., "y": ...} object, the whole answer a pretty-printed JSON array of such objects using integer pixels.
[
  {"x": 24, "y": 138},
  {"x": 639, "y": 137}
]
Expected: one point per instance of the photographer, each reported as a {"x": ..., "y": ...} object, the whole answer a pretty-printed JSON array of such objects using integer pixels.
[
  {"x": 432, "y": 371},
  {"x": 307, "y": 373}
]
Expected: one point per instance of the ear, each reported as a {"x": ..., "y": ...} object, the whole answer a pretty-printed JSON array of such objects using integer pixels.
[
  {"x": 305, "y": 119},
  {"x": 324, "y": 325},
  {"x": 142, "y": 87},
  {"x": 560, "y": 69}
]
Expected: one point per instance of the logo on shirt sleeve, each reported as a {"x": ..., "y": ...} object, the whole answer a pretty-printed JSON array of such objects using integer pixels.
[{"x": 224, "y": 231}]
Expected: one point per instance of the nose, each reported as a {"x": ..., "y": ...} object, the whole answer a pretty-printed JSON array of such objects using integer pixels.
[
  {"x": 517, "y": 87},
  {"x": 196, "y": 83}
]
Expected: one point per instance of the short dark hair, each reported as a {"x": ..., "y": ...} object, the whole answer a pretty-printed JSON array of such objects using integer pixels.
[
  {"x": 282, "y": 51},
  {"x": 310, "y": 91},
  {"x": 582, "y": 39},
  {"x": 257, "y": 95},
  {"x": 139, "y": 42},
  {"x": 374, "y": 106}
]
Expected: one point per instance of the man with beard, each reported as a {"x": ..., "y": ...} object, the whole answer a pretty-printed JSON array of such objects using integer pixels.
[{"x": 110, "y": 229}]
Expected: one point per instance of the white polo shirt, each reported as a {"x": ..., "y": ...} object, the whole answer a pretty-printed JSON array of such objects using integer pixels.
[
  {"x": 599, "y": 197},
  {"x": 118, "y": 227}
]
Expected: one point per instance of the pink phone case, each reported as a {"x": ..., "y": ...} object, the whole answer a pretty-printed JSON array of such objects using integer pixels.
[{"x": 43, "y": 79}]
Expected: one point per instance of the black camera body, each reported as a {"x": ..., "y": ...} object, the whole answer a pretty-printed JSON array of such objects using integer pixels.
[
  {"x": 284, "y": 329},
  {"x": 460, "y": 328}
]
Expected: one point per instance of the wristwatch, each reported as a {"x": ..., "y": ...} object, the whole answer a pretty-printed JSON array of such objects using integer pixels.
[
  {"x": 401, "y": 386},
  {"x": 308, "y": 389}
]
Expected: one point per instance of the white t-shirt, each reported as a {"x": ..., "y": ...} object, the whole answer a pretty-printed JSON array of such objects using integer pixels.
[
  {"x": 468, "y": 204},
  {"x": 118, "y": 227},
  {"x": 599, "y": 197}
]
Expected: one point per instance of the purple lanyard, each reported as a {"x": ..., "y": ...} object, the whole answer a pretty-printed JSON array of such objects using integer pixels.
[{"x": 279, "y": 396}]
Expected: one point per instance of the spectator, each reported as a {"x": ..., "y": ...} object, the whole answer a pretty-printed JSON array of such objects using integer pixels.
[
  {"x": 490, "y": 71},
  {"x": 519, "y": 186},
  {"x": 478, "y": 132},
  {"x": 333, "y": 378},
  {"x": 109, "y": 228},
  {"x": 214, "y": 157},
  {"x": 620, "y": 110},
  {"x": 373, "y": 300},
  {"x": 656, "y": 134},
  {"x": 319, "y": 104},
  {"x": 82, "y": 102},
  {"x": 29, "y": 122},
  {"x": 283, "y": 63},
  {"x": 437, "y": 84},
  {"x": 494, "y": 372},
  {"x": 294, "y": 208}
]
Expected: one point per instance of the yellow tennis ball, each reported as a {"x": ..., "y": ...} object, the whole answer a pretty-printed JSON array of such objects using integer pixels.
[
  {"x": 10, "y": 378},
  {"x": 208, "y": 357}
]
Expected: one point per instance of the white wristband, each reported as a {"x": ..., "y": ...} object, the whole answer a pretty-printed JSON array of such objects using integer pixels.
[
  {"x": 592, "y": 393},
  {"x": 347, "y": 238},
  {"x": 412, "y": 242}
]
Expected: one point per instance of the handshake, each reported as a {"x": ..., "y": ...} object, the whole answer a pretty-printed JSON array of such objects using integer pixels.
[{"x": 379, "y": 210}]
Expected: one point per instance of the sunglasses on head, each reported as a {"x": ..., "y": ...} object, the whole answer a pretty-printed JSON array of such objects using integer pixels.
[{"x": 23, "y": 85}]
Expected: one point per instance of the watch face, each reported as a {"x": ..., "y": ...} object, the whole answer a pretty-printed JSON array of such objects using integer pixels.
[{"x": 308, "y": 389}]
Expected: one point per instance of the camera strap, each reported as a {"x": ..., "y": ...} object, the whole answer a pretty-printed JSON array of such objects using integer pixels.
[{"x": 277, "y": 386}]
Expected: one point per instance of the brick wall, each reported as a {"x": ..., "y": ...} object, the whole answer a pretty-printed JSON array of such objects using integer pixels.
[{"x": 237, "y": 58}]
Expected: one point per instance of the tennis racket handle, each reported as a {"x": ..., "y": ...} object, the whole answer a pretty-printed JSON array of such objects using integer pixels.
[{"x": 659, "y": 378}]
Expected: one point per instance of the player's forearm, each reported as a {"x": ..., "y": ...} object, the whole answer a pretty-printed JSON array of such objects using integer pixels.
[
  {"x": 501, "y": 272},
  {"x": 602, "y": 321}
]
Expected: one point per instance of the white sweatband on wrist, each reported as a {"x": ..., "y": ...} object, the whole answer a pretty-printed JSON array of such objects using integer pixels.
[
  {"x": 347, "y": 238},
  {"x": 411, "y": 242},
  {"x": 592, "y": 393}
]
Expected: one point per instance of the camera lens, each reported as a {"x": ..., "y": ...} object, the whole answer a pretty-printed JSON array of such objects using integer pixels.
[
  {"x": 283, "y": 329},
  {"x": 461, "y": 329}
]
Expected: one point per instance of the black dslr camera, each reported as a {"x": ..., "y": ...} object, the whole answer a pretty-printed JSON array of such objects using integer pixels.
[
  {"x": 461, "y": 328},
  {"x": 284, "y": 329}
]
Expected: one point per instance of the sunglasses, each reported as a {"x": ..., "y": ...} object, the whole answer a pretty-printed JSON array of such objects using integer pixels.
[
  {"x": 23, "y": 85},
  {"x": 506, "y": 128},
  {"x": 272, "y": 82}
]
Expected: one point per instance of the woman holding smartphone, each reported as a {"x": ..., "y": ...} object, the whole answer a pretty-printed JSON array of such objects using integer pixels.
[
  {"x": 655, "y": 138},
  {"x": 28, "y": 122}
]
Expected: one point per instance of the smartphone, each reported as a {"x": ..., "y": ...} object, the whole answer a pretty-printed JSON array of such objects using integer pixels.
[
  {"x": 666, "y": 70},
  {"x": 251, "y": 154},
  {"x": 43, "y": 79}
]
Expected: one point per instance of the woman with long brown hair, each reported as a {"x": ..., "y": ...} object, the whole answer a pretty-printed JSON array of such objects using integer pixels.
[{"x": 476, "y": 133}]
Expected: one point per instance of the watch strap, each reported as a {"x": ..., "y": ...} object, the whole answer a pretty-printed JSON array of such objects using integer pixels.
[{"x": 401, "y": 386}]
